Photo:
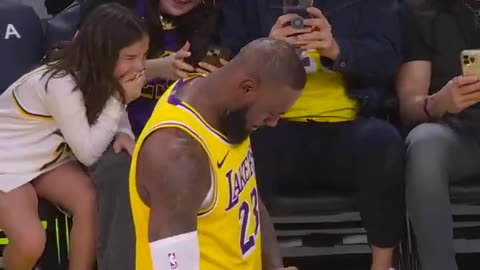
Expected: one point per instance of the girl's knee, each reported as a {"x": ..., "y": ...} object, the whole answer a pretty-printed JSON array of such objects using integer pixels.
[{"x": 29, "y": 241}]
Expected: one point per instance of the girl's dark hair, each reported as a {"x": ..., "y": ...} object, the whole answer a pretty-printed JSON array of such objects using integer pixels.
[
  {"x": 197, "y": 27},
  {"x": 92, "y": 56}
]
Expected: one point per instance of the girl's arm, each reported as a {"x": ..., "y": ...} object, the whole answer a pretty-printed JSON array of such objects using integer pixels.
[{"x": 68, "y": 111}]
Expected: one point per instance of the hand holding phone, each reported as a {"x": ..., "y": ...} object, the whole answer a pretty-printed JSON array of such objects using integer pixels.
[
  {"x": 283, "y": 30},
  {"x": 320, "y": 37},
  {"x": 215, "y": 58},
  {"x": 215, "y": 54},
  {"x": 179, "y": 66}
]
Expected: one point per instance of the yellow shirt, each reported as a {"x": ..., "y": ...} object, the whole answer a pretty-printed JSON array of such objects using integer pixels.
[
  {"x": 229, "y": 228},
  {"x": 324, "y": 98}
]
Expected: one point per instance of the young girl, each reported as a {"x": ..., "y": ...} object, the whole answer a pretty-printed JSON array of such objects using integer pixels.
[{"x": 59, "y": 118}]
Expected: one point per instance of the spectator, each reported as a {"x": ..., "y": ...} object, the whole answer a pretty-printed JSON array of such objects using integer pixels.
[
  {"x": 71, "y": 105},
  {"x": 441, "y": 105},
  {"x": 187, "y": 29},
  {"x": 21, "y": 41},
  {"x": 351, "y": 50},
  {"x": 171, "y": 25}
]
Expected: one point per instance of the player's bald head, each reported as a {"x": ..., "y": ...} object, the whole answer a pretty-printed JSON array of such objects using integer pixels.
[
  {"x": 272, "y": 61},
  {"x": 258, "y": 86}
]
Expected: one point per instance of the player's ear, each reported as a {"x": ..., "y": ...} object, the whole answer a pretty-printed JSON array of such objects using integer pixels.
[
  {"x": 249, "y": 87},
  {"x": 249, "y": 90}
]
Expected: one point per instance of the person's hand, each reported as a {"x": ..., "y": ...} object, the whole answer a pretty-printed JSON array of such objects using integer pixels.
[
  {"x": 288, "y": 268},
  {"x": 178, "y": 67},
  {"x": 123, "y": 142},
  {"x": 132, "y": 84},
  {"x": 320, "y": 38},
  {"x": 282, "y": 30},
  {"x": 206, "y": 68},
  {"x": 458, "y": 94}
]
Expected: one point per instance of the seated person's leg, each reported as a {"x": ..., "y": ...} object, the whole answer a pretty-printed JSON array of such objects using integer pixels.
[
  {"x": 436, "y": 156},
  {"x": 378, "y": 169},
  {"x": 21, "y": 224},
  {"x": 69, "y": 187},
  {"x": 278, "y": 152},
  {"x": 365, "y": 154},
  {"x": 116, "y": 235}
]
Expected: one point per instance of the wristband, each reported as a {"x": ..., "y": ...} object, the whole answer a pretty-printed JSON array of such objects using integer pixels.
[{"x": 180, "y": 252}]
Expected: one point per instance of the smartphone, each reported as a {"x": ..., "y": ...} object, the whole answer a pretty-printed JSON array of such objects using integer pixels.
[
  {"x": 298, "y": 7},
  {"x": 470, "y": 61},
  {"x": 215, "y": 53}
]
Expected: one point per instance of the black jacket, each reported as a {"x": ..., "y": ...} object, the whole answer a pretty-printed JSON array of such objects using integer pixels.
[{"x": 367, "y": 32}]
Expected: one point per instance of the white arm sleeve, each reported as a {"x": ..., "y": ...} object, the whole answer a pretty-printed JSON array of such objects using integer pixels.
[
  {"x": 68, "y": 110},
  {"x": 125, "y": 127},
  {"x": 180, "y": 252}
]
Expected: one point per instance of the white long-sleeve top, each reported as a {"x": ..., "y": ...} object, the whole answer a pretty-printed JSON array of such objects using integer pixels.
[{"x": 41, "y": 128}]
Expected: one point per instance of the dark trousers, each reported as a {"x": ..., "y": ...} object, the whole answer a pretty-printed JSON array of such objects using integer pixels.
[
  {"x": 365, "y": 156},
  {"x": 115, "y": 231}
]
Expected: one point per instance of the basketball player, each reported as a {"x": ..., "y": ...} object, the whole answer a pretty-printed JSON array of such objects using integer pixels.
[{"x": 193, "y": 188}]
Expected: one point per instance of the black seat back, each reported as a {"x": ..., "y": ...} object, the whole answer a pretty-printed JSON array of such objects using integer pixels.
[
  {"x": 63, "y": 26},
  {"x": 21, "y": 41}
]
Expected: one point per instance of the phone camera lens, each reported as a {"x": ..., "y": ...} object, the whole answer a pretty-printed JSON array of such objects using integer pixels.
[
  {"x": 297, "y": 22},
  {"x": 472, "y": 59}
]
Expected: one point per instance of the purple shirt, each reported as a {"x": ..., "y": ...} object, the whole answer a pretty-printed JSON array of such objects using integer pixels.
[{"x": 139, "y": 111}]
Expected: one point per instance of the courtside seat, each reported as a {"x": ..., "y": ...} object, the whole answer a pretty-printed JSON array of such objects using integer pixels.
[
  {"x": 63, "y": 26},
  {"x": 322, "y": 224},
  {"x": 319, "y": 202},
  {"x": 465, "y": 199},
  {"x": 52, "y": 221},
  {"x": 466, "y": 192},
  {"x": 55, "y": 256},
  {"x": 21, "y": 41}
]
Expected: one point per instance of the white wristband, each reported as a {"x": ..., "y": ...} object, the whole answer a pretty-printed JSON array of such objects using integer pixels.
[{"x": 180, "y": 252}]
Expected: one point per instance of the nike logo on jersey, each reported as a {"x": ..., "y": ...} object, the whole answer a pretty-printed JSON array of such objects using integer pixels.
[{"x": 220, "y": 163}]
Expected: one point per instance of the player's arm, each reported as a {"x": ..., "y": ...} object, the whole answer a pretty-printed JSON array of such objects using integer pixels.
[
  {"x": 174, "y": 177},
  {"x": 271, "y": 257}
]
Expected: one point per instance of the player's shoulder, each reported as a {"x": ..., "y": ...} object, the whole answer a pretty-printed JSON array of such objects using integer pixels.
[
  {"x": 170, "y": 156},
  {"x": 171, "y": 144}
]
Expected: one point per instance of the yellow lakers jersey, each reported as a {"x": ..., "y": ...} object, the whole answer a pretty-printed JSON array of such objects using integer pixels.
[
  {"x": 324, "y": 98},
  {"x": 228, "y": 228}
]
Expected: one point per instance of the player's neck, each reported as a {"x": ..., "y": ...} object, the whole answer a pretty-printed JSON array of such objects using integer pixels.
[{"x": 200, "y": 94}]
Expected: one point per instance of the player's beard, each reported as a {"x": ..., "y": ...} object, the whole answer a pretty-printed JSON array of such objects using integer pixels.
[{"x": 234, "y": 125}]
